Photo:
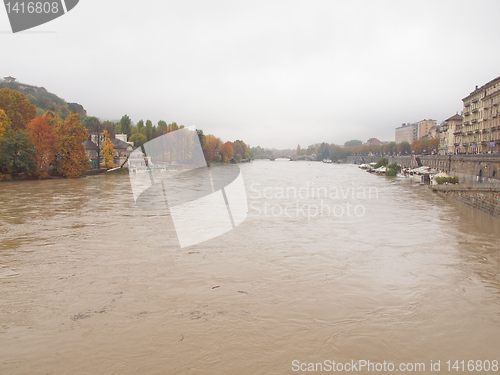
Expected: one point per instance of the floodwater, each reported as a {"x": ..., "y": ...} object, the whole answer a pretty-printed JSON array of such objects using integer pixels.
[{"x": 331, "y": 264}]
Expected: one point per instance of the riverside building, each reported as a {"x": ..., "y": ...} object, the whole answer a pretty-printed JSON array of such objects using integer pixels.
[{"x": 481, "y": 120}]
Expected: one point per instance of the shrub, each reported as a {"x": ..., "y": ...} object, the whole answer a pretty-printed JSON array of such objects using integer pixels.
[
  {"x": 382, "y": 162},
  {"x": 446, "y": 180},
  {"x": 394, "y": 166}
]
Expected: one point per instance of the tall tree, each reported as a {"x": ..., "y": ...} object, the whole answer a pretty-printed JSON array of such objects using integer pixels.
[
  {"x": 226, "y": 152},
  {"x": 118, "y": 128},
  {"x": 240, "y": 150},
  {"x": 149, "y": 130},
  {"x": 126, "y": 125},
  {"x": 41, "y": 131},
  {"x": 108, "y": 151},
  {"x": 92, "y": 124},
  {"x": 161, "y": 128},
  {"x": 211, "y": 147},
  {"x": 138, "y": 139},
  {"x": 18, "y": 153},
  {"x": 17, "y": 107},
  {"x": 404, "y": 148},
  {"x": 353, "y": 142},
  {"x": 71, "y": 159},
  {"x": 140, "y": 127},
  {"x": 109, "y": 126}
]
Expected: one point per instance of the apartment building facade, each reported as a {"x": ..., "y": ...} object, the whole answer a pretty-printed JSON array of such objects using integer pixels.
[
  {"x": 424, "y": 128},
  {"x": 481, "y": 120},
  {"x": 449, "y": 128},
  {"x": 407, "y": 132}
]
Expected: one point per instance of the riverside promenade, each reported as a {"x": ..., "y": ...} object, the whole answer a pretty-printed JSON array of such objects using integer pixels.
[
  {"x": 478, "y": 168},
  {"x": 479, "y": 176}
]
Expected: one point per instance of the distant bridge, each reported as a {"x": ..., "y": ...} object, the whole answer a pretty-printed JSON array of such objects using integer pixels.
[{"x": 294, "y": 157}]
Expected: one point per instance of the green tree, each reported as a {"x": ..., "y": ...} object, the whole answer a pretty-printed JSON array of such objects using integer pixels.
[
  {"x": 201, "y": 137},
  {"x": 17, "y": 107},
  {"x": 138, "y": 139},
  {"x": 18, "y": 153},
  {"x": 108, "y": 151},
  {"x": 92, "y": 124},
  {"x": 148, "y": 132},
  {"x": 161, "y": 128},
  {"x": 404, "y": 148},
  {"x": 323, "y": 151},
  {"x": 109, "y": 126},
  {"x": 140, "y": 127},
  {"x": 126, "y": 125},
  {"x": 353, "y": 142},
  {"x": 71, "y": 159},
  {"x": 117, "y": 128},
  {"x": 382, "y": 162}
]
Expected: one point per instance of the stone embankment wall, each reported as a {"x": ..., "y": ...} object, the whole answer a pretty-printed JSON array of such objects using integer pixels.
[{"x": 484, "y": 198}]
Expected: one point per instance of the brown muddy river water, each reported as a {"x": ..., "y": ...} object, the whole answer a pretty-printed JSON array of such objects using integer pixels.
[{"x": 331, "y": 264}]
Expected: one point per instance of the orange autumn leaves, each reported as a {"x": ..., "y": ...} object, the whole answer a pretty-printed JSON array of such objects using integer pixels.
[
  {"x": 217, "y": 151},
  {"x": 59, "y": 144},
  {"x": 42, "y": 145}
]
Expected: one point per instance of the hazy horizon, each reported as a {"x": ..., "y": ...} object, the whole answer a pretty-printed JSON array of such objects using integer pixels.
[{"x": 274, "y": 74}]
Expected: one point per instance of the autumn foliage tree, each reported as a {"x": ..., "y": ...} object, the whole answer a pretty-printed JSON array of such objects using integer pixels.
[
  {"x": 71, "y": 159},
  {"x": 226, "y": 152},
  {"x": 17, "y": 107},
  {"x": 108, "y": 151},
  {"x": 210, "y": 149},
  {"x": 41, "y": 130},
  {"x": 4, "y": 124}
]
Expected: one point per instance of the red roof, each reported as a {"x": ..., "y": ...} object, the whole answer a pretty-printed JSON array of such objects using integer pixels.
[{"x": 456, "y": 117}]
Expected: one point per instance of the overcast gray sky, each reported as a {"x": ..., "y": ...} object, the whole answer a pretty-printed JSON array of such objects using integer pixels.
[{"x": 273, "y": 73}]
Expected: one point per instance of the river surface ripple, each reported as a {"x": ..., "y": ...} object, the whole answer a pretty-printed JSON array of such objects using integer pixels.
[{"x": 375, "y": 269}]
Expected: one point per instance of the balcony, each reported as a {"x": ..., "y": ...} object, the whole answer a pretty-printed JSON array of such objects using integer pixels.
[
  {"x": 474, "y": 121},
  {"x": 478, "y": 131},
  {"x": 486, "y": 131},
  {"x": 475, "y": 100},
  {"x": 474, "y": 110},
  {"x": 470, "y": 132},
  {"x": 466, "y": 113}
]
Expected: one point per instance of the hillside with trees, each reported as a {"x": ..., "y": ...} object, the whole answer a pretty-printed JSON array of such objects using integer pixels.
[
  {"x": 37, "y": 143},
  {"x": 43, "y": 100}
]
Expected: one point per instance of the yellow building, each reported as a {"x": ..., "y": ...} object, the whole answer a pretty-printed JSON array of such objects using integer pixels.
[
  {"x": 481, "y": 122},
  {"x": 447, "y": 137},
  {"x": 424, "y": 128}
]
